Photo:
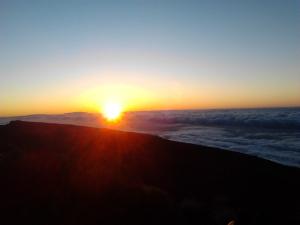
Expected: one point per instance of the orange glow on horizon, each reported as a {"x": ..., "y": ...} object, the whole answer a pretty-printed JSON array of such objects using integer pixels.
[{"x": 92, "y": 95}]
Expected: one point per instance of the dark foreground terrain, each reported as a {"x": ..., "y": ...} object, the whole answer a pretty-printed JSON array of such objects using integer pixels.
[{"x": 62, "y": 174}]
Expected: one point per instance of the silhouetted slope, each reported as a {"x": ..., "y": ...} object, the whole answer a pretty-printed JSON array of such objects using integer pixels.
[{"x": 64, "y": 174}]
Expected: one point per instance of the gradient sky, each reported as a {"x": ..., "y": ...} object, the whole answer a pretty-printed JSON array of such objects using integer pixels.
[{"x": 64, "y": 56}]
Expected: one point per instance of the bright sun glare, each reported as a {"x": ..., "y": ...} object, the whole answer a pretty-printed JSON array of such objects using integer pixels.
[{"x": 112, "y": 110}]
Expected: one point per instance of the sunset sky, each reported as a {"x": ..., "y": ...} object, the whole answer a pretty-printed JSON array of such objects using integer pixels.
[{"x": 67, "y": 56}]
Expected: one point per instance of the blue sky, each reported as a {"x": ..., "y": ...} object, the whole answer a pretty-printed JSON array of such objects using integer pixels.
[{"x": 207, "y": 54}]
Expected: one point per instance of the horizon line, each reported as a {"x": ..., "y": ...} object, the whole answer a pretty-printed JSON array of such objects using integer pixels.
[{"x": 157, "y": 110}]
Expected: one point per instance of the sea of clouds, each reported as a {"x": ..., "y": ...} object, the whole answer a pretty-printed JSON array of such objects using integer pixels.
[{"x": 272, "y": 134}]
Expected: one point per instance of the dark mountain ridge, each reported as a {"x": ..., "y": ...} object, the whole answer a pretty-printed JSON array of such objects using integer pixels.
[{"x": 66, "y": 174}]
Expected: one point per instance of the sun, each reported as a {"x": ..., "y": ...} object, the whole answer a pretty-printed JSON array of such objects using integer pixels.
[{"x": 112, "y": 111}]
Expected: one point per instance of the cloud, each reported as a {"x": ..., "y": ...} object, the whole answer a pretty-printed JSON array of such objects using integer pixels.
[{"x": 273, "y": 134}]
